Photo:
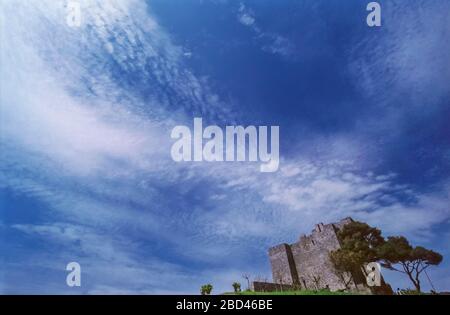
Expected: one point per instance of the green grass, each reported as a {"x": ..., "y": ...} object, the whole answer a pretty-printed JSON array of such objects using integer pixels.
[{"x": 299, "y": 292}]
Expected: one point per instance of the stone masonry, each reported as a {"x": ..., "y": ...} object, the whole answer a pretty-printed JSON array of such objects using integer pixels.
[{"x": 306, "y": 263}]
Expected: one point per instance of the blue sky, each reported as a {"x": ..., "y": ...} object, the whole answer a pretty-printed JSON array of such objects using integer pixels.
[{"x": 86, "y": 115}]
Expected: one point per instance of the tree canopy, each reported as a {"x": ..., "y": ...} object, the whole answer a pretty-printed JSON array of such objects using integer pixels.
[
  {"x": 362, "y": 244},
  {"x": 411, "y": 261}
]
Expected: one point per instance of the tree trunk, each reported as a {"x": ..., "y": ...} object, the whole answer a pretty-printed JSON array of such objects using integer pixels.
[
  {"x": 417, "y": 284},
  {"x": 416, "y": 281}
]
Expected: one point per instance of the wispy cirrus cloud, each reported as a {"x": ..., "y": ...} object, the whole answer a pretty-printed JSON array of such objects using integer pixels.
[
  {"x": 271, "y": 42},
  {"x": 86, "y": 115},
  {"x": 402, "y": 69},
  {"x": 102, "y": 256}
]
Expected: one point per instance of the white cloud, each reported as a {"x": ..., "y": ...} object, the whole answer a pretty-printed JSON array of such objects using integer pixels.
[
  {"x": 88, "y": 155},
  {"x": 246, "y": 19},
  {"x": 410, "y": 56},
  {"x": 303, "y": 193},
  {"x": 245, "y": 16},
  {"x": 270, "y": 42}
]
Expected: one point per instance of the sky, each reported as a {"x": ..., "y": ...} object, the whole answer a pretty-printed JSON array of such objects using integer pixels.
[{"x": 86, "y": 114}]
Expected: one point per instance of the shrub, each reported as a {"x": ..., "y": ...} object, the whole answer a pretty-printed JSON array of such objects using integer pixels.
[
  {"x": 236, "y": 287},
  {"x": 206, "y": 289}
]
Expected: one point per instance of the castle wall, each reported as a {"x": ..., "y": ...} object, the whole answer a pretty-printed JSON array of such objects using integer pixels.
[
  {"x": 307, "y": 264},
  {"x": 311, "y": 256},
  {"x": 283, "y": 265}
]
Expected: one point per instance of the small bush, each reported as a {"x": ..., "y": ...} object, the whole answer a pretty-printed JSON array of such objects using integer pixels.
[
  {"x": 206, "y": 289},
  {"x": 236, "y": 287}
]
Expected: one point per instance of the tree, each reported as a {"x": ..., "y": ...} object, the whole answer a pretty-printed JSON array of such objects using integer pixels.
[
  {"x": 362, "y": 244},
  {"x": 412, "y": 260},
  {"x": 359, "y": 246},
  {"x": 344, "y": 264},
  {"x": 347, "y": 260},
  {"x": 206, "y": 289},
  {"x": 236, "y": 287},
  {"x": 362, "y": 240}
]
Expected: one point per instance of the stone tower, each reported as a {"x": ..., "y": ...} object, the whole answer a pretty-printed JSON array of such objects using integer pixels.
[{"x": 307, "y": 263}]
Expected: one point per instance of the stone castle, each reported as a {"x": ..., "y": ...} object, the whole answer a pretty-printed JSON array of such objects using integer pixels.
[{"x": 306, "y": 264}]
